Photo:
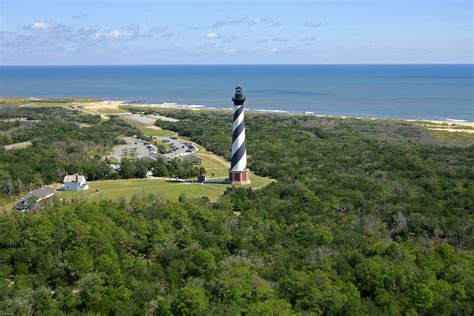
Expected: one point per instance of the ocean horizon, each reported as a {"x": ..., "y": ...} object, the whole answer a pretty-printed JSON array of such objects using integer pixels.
[{"x": 402, "y": 91}]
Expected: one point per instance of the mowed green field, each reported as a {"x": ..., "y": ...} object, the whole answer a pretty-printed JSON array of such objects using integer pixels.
[
  {"x": 118, "y": 189},
  {"x": 215, "y": 166}
]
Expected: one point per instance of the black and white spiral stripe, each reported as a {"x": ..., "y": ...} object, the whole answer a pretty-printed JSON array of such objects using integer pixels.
[{"x": 239, "y": 154}]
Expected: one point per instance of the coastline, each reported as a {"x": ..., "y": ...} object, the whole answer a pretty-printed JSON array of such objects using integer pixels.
[
  {"x": 173, "y": 105},
  {"x": 448, "y": 125},
  {"x": 112, "y": 107}
]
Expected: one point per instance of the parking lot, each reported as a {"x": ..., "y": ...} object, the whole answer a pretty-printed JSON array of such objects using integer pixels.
[
  {"x": 178, "y": 146},
  {"x": 135, "y": 148}
]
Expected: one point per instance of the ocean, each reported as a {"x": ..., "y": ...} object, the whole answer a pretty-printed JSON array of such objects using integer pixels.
[{"x": 441, "y": 92}]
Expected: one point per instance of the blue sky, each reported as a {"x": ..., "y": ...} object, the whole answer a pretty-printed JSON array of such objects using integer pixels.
[{"x": 234, "y": 32}]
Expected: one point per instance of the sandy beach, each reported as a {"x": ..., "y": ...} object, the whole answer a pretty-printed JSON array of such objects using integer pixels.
[{"x": 114, "y": 107}]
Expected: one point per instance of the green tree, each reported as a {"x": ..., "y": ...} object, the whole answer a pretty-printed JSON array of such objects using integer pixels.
[{"x": 189, "y": 300}]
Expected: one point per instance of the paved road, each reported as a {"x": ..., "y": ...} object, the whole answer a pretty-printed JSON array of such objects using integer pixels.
[
  {"x": 145, "y": 119},
  {"x": 149, "y": 119}
]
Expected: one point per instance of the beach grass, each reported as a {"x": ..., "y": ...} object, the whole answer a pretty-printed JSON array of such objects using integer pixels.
[
  {"x": 149, "y": 130},
  {"x": 27, "y": 102},
  {"x": 110, "y": 111},
  {"x": 462, "y": 137}
]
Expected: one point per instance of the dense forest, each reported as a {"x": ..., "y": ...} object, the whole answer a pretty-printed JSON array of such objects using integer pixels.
[
  {"x": 366, "y": 217},
  {"x": 67, "y": 141}
]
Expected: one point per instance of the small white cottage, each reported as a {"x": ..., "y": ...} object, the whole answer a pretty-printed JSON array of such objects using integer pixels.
[{"x": 75, "y": 182}]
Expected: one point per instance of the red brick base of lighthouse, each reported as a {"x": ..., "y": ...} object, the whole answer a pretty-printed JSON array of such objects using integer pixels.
[{"x": 239, "y": 177}]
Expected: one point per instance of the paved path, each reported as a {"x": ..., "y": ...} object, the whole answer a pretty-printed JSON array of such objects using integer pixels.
[{"x": 145, "y": 119}]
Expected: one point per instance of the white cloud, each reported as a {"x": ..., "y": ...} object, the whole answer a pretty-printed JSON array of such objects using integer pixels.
[
  {"x": 274, "y": 50},
  {"x": 258, "y": 20},
  {"x": 126, "y": 33},
  {"x": 96, "y": 35},
  {"x": 48, "y": 27},
  {"x": 212, "y": 35},
  {"x": 42, "y": 26},
  {"x": 232, "y": 50},
  {"x": 118, "y": 34}
]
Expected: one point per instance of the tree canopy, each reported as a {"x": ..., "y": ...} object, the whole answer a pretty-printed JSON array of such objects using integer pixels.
[{"x": 364, "y": 218}]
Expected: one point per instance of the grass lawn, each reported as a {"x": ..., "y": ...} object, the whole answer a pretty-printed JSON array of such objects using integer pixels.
[
  {"x": 117, "y": 189},
  {"x": 213, "y": 164},
  {"x": 158, "y": 132}
]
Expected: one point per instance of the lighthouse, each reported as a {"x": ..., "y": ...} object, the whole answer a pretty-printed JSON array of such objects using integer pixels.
[{"x": 238, "y": 173}]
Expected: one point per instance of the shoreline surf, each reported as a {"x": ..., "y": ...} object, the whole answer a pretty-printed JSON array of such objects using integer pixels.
[{"x": 173, "y": 105}]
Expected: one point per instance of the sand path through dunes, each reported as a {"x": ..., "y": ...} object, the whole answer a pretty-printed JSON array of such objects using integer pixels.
[
  {"x": 452, "y": 130},
  {"x": 447, "y": 126},
  {"x": 103, "y": 105}
]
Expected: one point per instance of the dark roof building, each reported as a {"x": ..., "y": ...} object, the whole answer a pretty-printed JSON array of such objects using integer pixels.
[{"x": 33, "y": 199}]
